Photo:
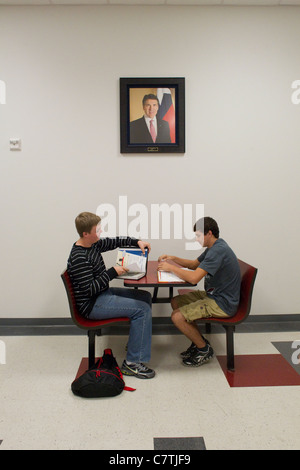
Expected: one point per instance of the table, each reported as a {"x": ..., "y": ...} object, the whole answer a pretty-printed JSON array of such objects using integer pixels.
[{"x": 151, "y": 280}]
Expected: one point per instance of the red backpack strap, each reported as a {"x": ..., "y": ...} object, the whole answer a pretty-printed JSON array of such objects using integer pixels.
[{"x": 129, "y": 389}]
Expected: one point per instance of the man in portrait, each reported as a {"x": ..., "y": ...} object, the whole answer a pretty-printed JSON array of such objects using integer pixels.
[{"x": 149, "y": 129}]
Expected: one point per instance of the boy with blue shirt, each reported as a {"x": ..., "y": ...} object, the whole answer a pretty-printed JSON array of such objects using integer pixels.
[{"x": 219, "y": 267}]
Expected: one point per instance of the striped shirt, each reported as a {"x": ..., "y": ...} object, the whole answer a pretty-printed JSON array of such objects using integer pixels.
[{"x": 88, "y": 272}]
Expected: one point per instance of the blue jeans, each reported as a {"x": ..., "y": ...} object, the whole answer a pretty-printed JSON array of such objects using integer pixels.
[{"x": 135, "y": 304}]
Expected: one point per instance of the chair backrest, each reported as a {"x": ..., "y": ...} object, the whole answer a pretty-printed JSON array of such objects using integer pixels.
[
  {"x": 77, "y": 318},
  {"x": 248, "y": 275}
]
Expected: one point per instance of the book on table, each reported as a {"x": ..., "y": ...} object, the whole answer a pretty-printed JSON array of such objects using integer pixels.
[
  {"x": 134, "y": 260},
  {"x": 166, "y": 276}
]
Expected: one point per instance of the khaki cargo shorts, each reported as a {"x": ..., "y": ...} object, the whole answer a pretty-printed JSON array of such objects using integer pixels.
[{"x": 197, "y": 304}]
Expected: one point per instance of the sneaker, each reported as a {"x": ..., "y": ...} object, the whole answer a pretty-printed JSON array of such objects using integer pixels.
[
  {"x": 199, "y": 357},
  {"x": 137, "y": 370},
  {"x": 191, "y": 349},
  {"x": 188, "y": 351}
]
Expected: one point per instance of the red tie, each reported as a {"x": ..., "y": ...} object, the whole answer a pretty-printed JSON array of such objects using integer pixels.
[{"x": 152, "y": 131}]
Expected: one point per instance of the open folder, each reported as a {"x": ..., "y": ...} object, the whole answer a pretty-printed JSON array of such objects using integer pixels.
[
  {"x": 166, "y": 276},
  {"x": 134, "y": 260}
]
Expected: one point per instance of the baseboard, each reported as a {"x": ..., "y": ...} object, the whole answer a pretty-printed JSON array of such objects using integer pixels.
[{"x": 161, "y": 326}]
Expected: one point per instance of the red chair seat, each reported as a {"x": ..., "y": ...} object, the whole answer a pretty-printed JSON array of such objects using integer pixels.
[{"x": 93, "y": 327}]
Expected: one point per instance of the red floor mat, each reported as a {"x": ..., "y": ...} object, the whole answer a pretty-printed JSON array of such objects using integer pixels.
[{"x": 260, "y": 370}]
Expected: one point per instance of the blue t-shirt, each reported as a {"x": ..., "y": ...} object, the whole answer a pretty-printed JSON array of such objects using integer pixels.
[{"x": 223, "y": 280}]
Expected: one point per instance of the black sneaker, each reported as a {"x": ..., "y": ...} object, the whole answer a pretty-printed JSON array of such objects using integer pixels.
[
  {"x": 188, "y": 351},
  {"x": 199, "y": 357},
  {"x": 191, "y": 349},
  {"x": 137, "y": 370}
]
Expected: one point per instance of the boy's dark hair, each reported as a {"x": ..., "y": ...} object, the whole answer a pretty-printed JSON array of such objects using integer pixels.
[{"x": 205, "y": 224}]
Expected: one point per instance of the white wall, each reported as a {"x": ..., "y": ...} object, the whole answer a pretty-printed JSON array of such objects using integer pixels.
[{"x": 61, "y": 66}]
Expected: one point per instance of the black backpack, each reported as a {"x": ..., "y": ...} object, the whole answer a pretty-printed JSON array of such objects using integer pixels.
[{"x": 103, "y": 379}]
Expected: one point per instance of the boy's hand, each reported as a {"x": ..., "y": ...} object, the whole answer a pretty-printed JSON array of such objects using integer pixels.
[
  {"x": 164, "y": 266},
  {"x": 144, "y": 245},
  {"x": 165, "y": 258},
  {"x": 120, "y": 270}
]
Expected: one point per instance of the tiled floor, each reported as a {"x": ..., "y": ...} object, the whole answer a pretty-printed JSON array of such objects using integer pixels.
[{"x": 182, "y": 408}]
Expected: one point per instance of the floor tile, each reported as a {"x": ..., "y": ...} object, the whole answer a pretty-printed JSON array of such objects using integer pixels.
[
  {"x": 290, "y": 350},
  {"x": 39, "y": 411},
  {"x": 179, "y": 443},
  {"x": 260, "y": 370}
]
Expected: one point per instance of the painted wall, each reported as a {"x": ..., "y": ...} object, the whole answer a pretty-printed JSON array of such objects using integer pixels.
[{"x": 61, "y": 67}]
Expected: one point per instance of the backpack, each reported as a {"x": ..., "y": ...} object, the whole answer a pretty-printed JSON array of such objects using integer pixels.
[{"x": 103, "y": 379}]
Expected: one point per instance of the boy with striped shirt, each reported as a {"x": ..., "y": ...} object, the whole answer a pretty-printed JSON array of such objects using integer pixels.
[{"x": 96, "y": 300}]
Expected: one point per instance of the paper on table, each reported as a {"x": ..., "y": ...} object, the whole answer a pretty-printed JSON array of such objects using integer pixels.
[{"x": 164, "y": 276}]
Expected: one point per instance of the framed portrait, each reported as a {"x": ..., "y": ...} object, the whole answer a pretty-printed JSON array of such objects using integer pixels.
[{"x": 152, "y": 115}]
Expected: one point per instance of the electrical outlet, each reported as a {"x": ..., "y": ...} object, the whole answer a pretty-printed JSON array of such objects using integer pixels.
[{"x": 15, "y": 144}]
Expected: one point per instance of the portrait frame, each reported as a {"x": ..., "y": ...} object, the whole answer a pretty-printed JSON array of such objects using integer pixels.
[{"x": 171, "y": 109}]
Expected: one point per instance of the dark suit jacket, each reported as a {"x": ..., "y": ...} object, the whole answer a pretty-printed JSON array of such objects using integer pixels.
[{"x": 139, "y": 133}]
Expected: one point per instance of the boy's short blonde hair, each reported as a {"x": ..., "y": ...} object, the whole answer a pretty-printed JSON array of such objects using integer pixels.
[{"x": 85, "y": 221}]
